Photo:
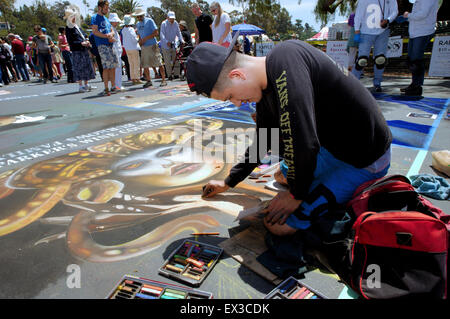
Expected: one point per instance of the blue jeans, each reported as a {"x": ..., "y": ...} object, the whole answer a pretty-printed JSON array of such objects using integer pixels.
[
  {"x": 45, "y": 62},
  {"x": 21, "y": 67},
  {"x": 380, "y": 44},
  {"x": 67, "y": 55},
  {"x": 416, "y": 49},
  {"x": 334, "y": 184}
]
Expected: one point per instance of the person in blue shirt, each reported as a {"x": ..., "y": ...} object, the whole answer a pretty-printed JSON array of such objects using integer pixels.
[
  {"x": 247, "y": 45},
  {"x": 150, "y": 51},
  {"x": 104, "y": 39}
]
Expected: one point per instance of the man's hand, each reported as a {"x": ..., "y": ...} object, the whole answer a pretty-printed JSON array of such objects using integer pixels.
[
  {"x": 214, "y": 187},
  {"x": 281, "y": 206},
  {"x": 406, "y": 14}
]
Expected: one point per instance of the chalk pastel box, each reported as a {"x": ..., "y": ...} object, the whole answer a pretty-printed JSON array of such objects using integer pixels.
[
  {"x": 131, "y": 287},
  {"x": 191, "y": 262},
  {"x": 292, "y": 288}
]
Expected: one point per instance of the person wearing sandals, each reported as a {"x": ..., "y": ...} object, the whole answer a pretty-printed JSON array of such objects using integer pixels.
[
  {"x": 104, "y": 38},
  {"x": 115, "y": 20},
  {"x": 150, "y": 52},
  {"x": 82, "y": 68},
  {"x": 132, "y": 48}
]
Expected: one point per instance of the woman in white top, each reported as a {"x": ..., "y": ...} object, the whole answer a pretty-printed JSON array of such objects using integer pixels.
[
  {"x": 221, "y": 26},
  {"x": 132, "y": 47}
]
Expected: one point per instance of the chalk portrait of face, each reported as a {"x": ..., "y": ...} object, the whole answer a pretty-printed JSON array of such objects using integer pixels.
[{"x": 88, "y": 194}]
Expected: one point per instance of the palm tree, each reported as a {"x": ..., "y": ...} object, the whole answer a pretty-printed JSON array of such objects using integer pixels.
[{"x": 122, "y": 7}]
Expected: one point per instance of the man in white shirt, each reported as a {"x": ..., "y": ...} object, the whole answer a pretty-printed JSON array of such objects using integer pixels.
[
  {"x": 372, "y": 18},
  {"x": 422, "y": 22},
  {"x": 169, "y": 32}
]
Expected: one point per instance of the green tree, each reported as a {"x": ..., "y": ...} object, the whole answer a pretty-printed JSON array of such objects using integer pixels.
[
  {"x": 59, "y": 8},
  {"x": 123, "y": 7},
  {"x": 6, "y": 7}
]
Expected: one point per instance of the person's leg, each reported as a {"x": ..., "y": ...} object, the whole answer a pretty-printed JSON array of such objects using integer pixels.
[
  {"x": 112, "y": 77},
  {"x": 176, "y": 67},
  {"x": 67, "y": 56},
  {"x": 100, "y": 66},
  {"x": 379, "y": 54},
  {"x": 365, "y": 45},
  {"x": 20, "y": 60},
  {"x": 133, "y": 60},
  {"x": 415, "y": 57},
  {"x": 126, "y": 62},
  {"x": 43, "y": 67},
  {"x": 48, "y": 59},
  {"x": 333, "y": 185},
  {"x": 16, "y": 70},
  {"x": 118, "y": 75},
  {"x": 167, "y": 56}
]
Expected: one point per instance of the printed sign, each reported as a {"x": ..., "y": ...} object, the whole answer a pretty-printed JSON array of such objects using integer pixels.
[
  {"x": 336, "y": 50},
  {"x": 440, "y": 57},
  {"x": 262, "y": 48},
  {"x": 395, "y": 47}
]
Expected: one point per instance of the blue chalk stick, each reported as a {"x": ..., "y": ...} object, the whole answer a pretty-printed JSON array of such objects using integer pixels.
[{"x": 145, "y": 296}]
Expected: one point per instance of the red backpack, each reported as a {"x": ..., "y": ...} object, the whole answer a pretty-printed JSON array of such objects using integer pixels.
[{"x": 399, "y": 243}]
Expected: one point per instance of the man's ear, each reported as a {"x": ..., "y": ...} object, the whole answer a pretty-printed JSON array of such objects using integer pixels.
[{"x": 237, "y": 73}]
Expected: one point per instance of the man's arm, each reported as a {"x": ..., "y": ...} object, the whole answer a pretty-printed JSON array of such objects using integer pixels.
[
  {"x": 421, "y": 10},
  {"x": 100, "y": 34},
  {"x": 359, "y": 15},
  {"x": 179, "y": 35},
  {"x": 196, "y": 35},
  {"x": 393, "y": 10},
  {"x": 151, "y": 36},
  {"x": 298, "y": 131}
]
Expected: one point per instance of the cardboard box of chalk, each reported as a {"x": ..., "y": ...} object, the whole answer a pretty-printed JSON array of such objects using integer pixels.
[
  {"x": 131, "y": 287},
  {"x": 191, "y": 262},
  {"x": 292, "y": 288}
]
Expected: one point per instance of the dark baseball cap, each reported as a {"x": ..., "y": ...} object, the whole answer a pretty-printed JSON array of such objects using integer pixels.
[{"x": 204, "y": 64}]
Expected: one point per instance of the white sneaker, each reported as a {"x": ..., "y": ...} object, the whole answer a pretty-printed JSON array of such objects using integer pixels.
[{"x": 82, "y": 89}]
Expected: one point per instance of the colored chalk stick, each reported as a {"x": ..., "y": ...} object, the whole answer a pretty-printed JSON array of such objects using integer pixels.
[
  {"x": 309, "y": 296},
  {"x": 210, "y": 263},
  {"x": 145, "y": 296},
  {"x": 128, "y": 289},
  {"x": 173, "y": 268},
  {"x": 168, "y": 297},
  {"x": 287, "y": 286},
  {"x": 210, "y": 252},
  {"x": 130, "y": 282},
  {"x": 173, "y": 295},
  {"x": 176, "y": 292},
  {"x": 297, "y": 293},
  {"x": 192, "y": 276},
  {"x": 304, "y": 294},
  {"x": 151, "y": 291},
  {"x": 195, "y": 262},
  {"x": 179, "y": 266},
  {"x": 153, "y": 287},
  {"x": 181, "y": 261}
]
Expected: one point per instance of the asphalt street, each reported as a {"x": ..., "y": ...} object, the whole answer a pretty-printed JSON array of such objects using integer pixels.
[{"x": 96, "y": 182}]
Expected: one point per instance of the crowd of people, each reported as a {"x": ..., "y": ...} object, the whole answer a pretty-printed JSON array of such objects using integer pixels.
[
  {"x": 136, "y": 44},
  {"x": 367, "y": 33}
]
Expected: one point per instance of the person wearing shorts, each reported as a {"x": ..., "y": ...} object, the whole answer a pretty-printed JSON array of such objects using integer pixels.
[
  {"x": 150, "y": 52},
  {"x": 104, "y": 39}
]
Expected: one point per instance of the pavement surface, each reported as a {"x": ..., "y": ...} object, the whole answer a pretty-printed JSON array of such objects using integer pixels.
[{"x": 93, "y": 188}]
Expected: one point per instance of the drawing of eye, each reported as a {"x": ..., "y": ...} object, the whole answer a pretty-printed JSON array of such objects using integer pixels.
[{"x": 132, "y": 165}]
